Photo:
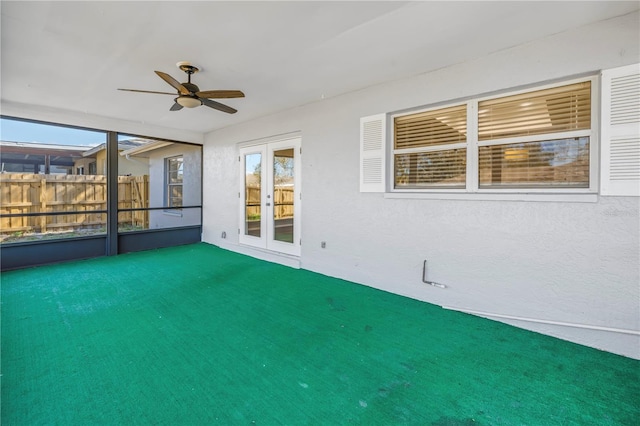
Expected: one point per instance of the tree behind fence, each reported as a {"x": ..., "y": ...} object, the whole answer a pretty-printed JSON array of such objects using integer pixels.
[{"x": 34, "y": 193}]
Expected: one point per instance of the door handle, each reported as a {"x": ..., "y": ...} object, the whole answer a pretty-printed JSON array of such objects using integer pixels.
[{"x": 268, "y": 204}]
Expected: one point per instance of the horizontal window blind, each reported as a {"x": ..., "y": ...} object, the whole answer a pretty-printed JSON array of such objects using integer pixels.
[
  {"x": 438, "y": 127},
  {"x": 560, "y": 163},
  {"x": 559, "y": 109},
  {"x": 434, "y": 169},
  {"x": 535, "y": 140}
]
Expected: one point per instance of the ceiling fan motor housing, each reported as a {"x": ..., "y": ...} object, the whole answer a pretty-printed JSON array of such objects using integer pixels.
[{"x": 191, "y": 87}]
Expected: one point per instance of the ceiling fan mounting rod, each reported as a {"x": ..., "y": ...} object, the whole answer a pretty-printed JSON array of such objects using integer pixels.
[{"x": 189, "y": 69}]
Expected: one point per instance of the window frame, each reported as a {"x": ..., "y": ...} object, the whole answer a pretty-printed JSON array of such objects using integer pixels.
[
  {"x": 472, "y": 185},
  {"x": 168, "y": 185},
  {"x": 432, "y": 148}
]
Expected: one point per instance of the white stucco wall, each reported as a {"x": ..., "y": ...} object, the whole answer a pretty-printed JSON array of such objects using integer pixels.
[
  {"x": 132, "y": 166},
  {"x": 558, "y": 261},
  {"x": 191, "y": 189}
]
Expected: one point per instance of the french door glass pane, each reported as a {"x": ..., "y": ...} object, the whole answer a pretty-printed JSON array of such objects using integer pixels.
[
  {"x": 283, "y": 199},
  {"x": 253, "y": 193}
]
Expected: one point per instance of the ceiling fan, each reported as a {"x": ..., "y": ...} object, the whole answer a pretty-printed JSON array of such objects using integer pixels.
[{"x": 189, "y": 95}]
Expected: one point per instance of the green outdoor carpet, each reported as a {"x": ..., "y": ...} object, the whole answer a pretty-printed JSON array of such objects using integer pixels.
[{"x": 196, "y": 335}]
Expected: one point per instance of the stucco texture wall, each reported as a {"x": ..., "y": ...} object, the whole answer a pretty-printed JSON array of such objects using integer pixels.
[
  {"x": 192, "y": 189},
  {"x": 557, "y": 261}
]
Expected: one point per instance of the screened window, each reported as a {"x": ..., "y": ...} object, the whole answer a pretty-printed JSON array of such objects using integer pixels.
[
  {"x": 537, "y": 139},
  {"x": 44, "y": 193},
  {"x": 174, "y": 170},
  {"x": 159, "y": 184}
]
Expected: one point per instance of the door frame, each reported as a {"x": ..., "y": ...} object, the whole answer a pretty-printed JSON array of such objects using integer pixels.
[{"x": 265, "y": 240}]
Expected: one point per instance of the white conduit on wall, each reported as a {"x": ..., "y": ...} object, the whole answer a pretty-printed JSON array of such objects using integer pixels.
[{"x": 540, "y": 321}]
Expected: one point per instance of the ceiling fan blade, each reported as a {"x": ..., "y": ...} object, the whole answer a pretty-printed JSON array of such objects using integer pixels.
[
  {"x": 147, "y": 91},
  {"x": 175, "y": 107},
  {"x": 173, "y": 82},
  {"x": 218, "y": 106},
  {"x": 220, "y": 94}
]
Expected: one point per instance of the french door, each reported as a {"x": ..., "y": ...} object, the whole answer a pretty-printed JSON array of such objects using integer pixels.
[{"x": 270, "y": 196}]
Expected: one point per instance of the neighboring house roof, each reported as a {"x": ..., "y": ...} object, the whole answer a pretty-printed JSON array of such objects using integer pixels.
[
  {"x": 145, "y": 148},
  {"x": 34, "y": 153},
  {"x": 123, "y": 145},
  {"x": 62, "y": 155},
  {"x": 7, "y": 146}
]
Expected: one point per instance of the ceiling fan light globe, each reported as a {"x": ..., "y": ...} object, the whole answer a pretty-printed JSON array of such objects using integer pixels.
[{"x": 188, "y": 101}]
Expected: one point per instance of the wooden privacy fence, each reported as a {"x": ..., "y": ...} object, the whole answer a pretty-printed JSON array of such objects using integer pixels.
[
  {"x": 35, "y": 193},
  {"x": 282, "y": 202}
]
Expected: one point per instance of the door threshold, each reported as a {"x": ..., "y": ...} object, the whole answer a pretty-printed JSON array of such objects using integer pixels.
[{"x": 285, "y": 259}]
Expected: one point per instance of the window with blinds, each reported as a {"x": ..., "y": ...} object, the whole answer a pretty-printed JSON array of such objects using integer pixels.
[
  {"x": 560, "y": 109},
  {"x": 430, "y": 149},
  {"x": 556, "y": 163},
  {"x": 554, "y": 127},
  {"x": 539, "y": 139}
]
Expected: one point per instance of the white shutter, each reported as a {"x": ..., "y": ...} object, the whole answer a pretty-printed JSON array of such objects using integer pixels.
[
  {"x": 620, "y": 131},
  {"x": 373, "y": 131}
]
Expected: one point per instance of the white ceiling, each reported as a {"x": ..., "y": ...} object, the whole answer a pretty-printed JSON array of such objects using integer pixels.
[{"x": 74, "y": 55}]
